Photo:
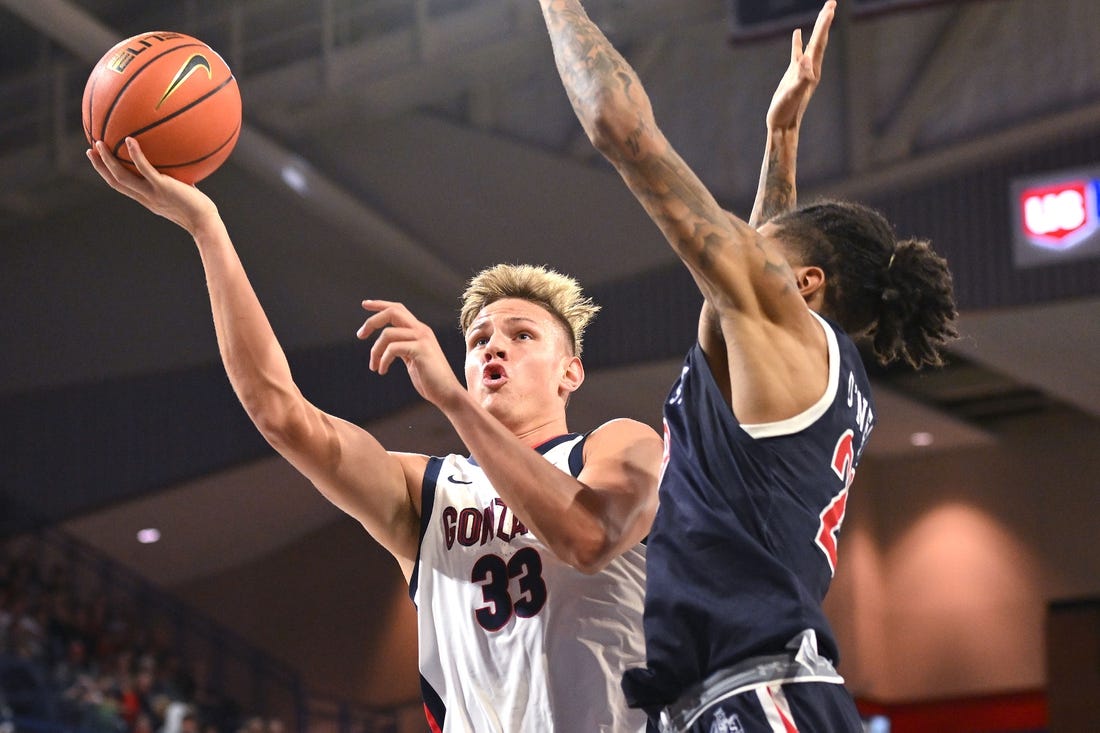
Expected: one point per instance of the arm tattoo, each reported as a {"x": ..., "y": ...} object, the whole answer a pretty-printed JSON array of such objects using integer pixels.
[
  {"x": 780, "y": 269},
  {"x": 665, "y": 184},
  {"x": 712, "y": 246},
  {"x": 597, "y": 78},
  {"x": 778, "y": 191},
  {"x": 592, "y": 71}
]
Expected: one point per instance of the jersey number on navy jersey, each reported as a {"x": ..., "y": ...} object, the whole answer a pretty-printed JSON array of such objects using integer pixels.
[
  {"x": 844, "y": 459},
  {"x": 494, "y": 575}
]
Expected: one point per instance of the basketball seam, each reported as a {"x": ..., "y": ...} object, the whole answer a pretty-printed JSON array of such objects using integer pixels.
[
  {"x": 128, "y": 82},
  {"x": 175, "y": 114},
  {"x": 212, "y": 153},
  {"x": 91, "y": 99}
]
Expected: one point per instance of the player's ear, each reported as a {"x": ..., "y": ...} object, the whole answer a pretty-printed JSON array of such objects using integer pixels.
[
  {"x": 572, "y": 374},
  {"x": 810, "y": 280}
]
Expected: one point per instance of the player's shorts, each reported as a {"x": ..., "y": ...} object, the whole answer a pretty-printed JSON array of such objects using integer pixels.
[{"x": 796, "y": 692}]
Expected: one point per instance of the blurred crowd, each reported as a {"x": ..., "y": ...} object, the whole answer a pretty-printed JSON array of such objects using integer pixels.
[{"x": 73, "y": 660}]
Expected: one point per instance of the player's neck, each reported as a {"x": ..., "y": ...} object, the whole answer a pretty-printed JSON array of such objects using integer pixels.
[{"x": 538, "y": 432}]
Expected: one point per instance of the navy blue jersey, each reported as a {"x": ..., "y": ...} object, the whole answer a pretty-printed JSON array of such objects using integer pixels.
[{"x": 743, "y": 546}]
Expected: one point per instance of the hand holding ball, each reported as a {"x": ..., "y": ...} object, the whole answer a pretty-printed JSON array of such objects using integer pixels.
[{"x": 174, "y": 95}]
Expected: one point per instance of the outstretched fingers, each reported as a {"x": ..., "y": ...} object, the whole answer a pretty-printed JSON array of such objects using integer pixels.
[
  {"x": 163, "y": 195},
  {"x": 796, "y": 46},
  {"x": 397, "y": 330},
  {"x": 141, "y": 187},
  {"x": 385, "y": 313},
  {"x": 393, "y": 343},
  {"x": 819, "y": 38},
  {"x": 402, "y": 336},
  {"x": 802, "y": 75},
  {"x": 137, "y": 156},
  {"x": 111, "y": 170}
]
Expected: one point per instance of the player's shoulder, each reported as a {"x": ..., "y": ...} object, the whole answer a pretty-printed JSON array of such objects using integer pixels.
[
  {"x": 414, "y": 466},
  {"x": 623, "y": 426},
  {"x": 618, "y": 433},
  {"x": 411, "y": 462}
]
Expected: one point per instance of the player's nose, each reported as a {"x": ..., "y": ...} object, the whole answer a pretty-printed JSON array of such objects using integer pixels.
[{"x": 495, "y": 348}]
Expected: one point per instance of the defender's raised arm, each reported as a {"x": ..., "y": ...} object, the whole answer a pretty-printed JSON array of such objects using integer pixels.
[{"x": 730, "y": 263}]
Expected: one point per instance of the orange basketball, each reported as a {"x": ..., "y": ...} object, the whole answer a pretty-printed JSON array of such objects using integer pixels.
[{"x": 174, "y": 95}]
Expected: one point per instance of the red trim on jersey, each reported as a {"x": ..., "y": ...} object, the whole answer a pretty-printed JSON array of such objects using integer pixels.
[
  {"x": 781, "y": 709},
  {"x": 431, "y": 721}
]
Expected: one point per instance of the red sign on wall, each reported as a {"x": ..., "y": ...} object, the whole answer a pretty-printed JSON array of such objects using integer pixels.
[{"x": 1058, "y": 216}]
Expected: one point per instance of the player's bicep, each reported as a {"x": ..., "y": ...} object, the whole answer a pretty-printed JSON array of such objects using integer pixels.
[{"x": 621, "y": 467}]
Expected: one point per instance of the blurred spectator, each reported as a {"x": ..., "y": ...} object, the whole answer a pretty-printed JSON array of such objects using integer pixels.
[{"x": 97, "y": 667}]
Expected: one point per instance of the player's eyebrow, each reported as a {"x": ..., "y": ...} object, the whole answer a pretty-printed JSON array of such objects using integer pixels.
[{"x": 480, "y": 323}]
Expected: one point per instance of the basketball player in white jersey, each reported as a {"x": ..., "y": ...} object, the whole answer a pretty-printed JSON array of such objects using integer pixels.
[{"x": 523, "y": 558}]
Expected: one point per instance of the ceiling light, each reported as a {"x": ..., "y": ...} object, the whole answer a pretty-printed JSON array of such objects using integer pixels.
[
  {"x": 295, "y": 177},
  {"x": 921, "y": 439},
  {"x": 148, "y": 536}
]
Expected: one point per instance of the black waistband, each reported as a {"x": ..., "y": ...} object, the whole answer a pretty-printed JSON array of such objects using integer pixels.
[{"x": 800, "y": 662}]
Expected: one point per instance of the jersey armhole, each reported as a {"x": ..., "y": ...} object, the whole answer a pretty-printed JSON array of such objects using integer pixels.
[
  {"x": 427, "y": 506},
  {"x": 808, "y": 417}
]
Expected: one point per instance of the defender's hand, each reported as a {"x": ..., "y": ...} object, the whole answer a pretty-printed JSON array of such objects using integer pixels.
[{"x": 802, "y": 75}]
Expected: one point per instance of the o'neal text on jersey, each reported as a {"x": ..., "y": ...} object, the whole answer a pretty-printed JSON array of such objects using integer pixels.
[
  {"x": 471, "y": 526},
  {"x": 865, "y": 417}
]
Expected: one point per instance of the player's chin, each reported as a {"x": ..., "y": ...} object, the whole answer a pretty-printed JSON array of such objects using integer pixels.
[{"x": 495, "y": 401}]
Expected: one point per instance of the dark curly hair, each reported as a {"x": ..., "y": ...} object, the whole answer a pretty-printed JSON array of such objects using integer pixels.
[{"x": 896, "y": 293}]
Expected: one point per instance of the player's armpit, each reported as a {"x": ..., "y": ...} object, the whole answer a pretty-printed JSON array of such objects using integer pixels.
[{"x": 353, "y": 471}]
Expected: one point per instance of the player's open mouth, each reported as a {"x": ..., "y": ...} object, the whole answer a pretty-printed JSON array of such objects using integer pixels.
[{"x": 494, "y": 374}]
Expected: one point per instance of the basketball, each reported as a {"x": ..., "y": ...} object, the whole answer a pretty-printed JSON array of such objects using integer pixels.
[{"x": 174, "y": 95}]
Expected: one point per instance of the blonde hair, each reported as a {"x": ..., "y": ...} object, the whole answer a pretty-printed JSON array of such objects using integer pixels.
[{"x": 560, "y": 294}]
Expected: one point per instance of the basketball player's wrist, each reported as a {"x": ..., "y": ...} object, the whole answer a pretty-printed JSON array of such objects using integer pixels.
[
  {"x": 783, "y": 136},
  {"x": 456, "y": 405},
  {"x": 206, "y": 227}
]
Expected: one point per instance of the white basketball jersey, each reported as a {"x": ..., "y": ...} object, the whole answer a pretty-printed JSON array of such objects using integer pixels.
[{"x": 512, "y": 639}]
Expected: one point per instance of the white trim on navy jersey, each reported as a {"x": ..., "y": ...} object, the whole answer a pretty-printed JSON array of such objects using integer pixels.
[{"x": 808, "y": 417}]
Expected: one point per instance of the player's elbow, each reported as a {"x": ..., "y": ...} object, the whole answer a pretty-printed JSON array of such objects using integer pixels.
[
  {"x": 611, "y": 128},
  {"x": 622, "y": 132},
  {"x": 591, "y": 553},
  {"x": 603, "y": 131},
  {"x": 590, "y": 565},
  {"x": 611, "y": 143},
  {"x": 280, "y": 415}
]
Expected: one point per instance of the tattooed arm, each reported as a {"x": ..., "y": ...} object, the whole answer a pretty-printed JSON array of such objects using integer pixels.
[
  {"x": 768, "y": 332},
  {"x": 776, "y": 193},
  {"x": 616, "y": 113}
]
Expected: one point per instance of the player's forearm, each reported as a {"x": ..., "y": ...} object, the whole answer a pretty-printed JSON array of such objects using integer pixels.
[
  {"x": 615, "y": 111},
  {"x": 776, "y": 193},
  {"x": 604, "y": 90},
  {"x": 561, "y": 511},
  {"x": 254, "y": 361},
  {"x": 344, "y": 462}
]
